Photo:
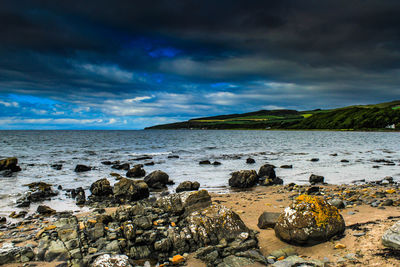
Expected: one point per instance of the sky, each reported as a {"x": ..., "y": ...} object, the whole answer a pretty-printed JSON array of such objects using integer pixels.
[{"x": 127, "y": 64}]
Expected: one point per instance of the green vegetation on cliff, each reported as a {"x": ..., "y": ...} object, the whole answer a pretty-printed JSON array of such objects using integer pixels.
[{"x": 379, "y": 116}]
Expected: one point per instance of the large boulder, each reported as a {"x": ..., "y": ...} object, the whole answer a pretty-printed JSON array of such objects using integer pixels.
[
  {"x": 188, "y": 186},
  {"x": 391, "y": 238},
  {"x": 107, "y": 260},
  {"x": 129, "y": 190},
  {"x": 157, "y": 179},
  {"x": 212, "y": 224},
  {"x": 309, "y": 220},
  {"x": 267, "y": 170},
  {"x": 101, "y": 188},
  {"x": 10, "y": 164},
  {"x": 184, "y": 202},
  {"x": 243, "y": 179},
  {"x": 136, "y": 172}
]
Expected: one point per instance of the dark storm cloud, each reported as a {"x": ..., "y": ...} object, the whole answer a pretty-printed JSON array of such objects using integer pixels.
[{"x": 187, "y": 58}]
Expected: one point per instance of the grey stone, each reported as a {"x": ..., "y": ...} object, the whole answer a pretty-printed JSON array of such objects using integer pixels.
[
  {"x": 267, "y": 220},
  {"x": 243, "y": 179},
  {"x": 108, "y": 260},
  {"x": 234, "y": 261},
  {"x": 316, "y": 179},
  {"x": 391, "y": 238}
]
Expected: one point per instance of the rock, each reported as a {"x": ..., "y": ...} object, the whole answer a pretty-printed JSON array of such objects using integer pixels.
[
  {"x": 267, "y": 170},
  {"x": 243, "y": 179},
  {"x": 136, "y": 172},
  {"x": 293, "y": 261},
  {"x": 234, "y": 261},
  {"x": 56, "y": 166},
  {"x": 271, "y": 181},
  {"x": 82, "y": 168},
  {"x": 149, "y": 163},
  {"x": 205, "y": 162},
  {"x": 216, "y": 163},
  {"x": 3, "y": 219},
  {"x": 124, "y": 166},
  {"x": 314, "y": 159},
  {"x": 10, "y": 253},
  {"x": 10, "y": 164},
  {"x": 250, "y": 161},
  {"x": 287, "y": 166},
  {"x": 173, "y": 157},
  {"x": 391, "y": 238},
  {"x": 101, "y": 188},
  {"x": 337, "y": 202},
  {"x": 129, "y": 190},
  {"x": 268, "y": 220},
  {"x": 177, "y": 259},
  {"x": 313, "y": 190},
  {"x": 345, "y": 161},
  {"x": 188, "y": 186},
  {"x": 108, "y": 260},
  {"x": 215, "y": 223},
  {"x": 316, "y": 179},
  {"x": 80, "y": 197},
  {"x": 156, "y": 178},
  {"x": 309, "y": 220},
  {"x": 184, "y": 202},
  {"x": 6, "y": 173},
  {"x": 143, "y": 158},
  {"x": 45, "y": 210},
  {"x": 38, "y": 191}
]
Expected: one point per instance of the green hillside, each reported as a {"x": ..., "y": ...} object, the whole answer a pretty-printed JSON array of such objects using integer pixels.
[{"x": 360, "y": 117}]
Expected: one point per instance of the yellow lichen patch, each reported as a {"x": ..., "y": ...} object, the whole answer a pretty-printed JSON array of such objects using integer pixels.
[
  {"x": 50, "y": 227},
  {"x": 281, "y": 258},
  {"x": 155, "y": 223},
  {"x": 177, "y": 259},
  {"x": 173, "y": 224},
  {"x": 106, "y": 228},
  {"x": 92, "y": 221},
  {"x": 340, "y": 246},
  {"x": 321, "y": 210},
  {"x": 390, "y": 191},
  {"x": 81, "y": 226},
  {"x": 41, "y": 231}
]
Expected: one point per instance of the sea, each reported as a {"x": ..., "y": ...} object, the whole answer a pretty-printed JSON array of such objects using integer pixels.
[{"x": 343, "y": 157}]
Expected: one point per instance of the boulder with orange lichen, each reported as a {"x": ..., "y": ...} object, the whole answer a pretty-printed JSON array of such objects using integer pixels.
[{"x": 309, "y": 220}]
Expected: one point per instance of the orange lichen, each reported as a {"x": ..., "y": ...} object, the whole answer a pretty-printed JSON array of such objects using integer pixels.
[
  {"x": 321, "y": 210},
  {"x": 390, "y": 191},
  {"x": 177, "y": 259}
]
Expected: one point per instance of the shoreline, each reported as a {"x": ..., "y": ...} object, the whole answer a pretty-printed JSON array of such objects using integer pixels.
[{"x": 249, "y": 204}]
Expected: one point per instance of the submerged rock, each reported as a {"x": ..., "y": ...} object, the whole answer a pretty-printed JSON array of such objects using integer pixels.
[
  {"x": 129, "y": 190},
  {"x": 250, "y": 161},
  {"x": 38, "y": 191},
  {"x": 10, "y": 164},
  {"x": 82, "y": 168},
  {"x": 243, "y": 179},
  {"x": 309, "y": 220},
  {"x": 124, "y": 166},
  {"x": 205, "y": 162},
  {"x": 57, "y": 167},
  {"x": 188, "y": 186},
  {"x": 316, "y": 179},
  {"x": 391, "y": 238},
  {"x": 157, "y": 179}
]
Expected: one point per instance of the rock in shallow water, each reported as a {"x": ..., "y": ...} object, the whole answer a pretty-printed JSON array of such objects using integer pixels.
[
  {"x": 129, "y": 190},
  {"x": 136, "y": 172},
  {"x": 157, "y": 179},
  {"x": 309, "y": 220},
  {"x": 243, "y": 179},
  {"x": 188, "y": 186},
  {"x": 391, "y": 238},
  {"x": 82, "y": 168},
  {"x": 101, "y": 187},
  {"x": 9, "y": 164}
]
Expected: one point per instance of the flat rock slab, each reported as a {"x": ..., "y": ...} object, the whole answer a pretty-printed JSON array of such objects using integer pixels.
[{"x": 391, "y": 238}]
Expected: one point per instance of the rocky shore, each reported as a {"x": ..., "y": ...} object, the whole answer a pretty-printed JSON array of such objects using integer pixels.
[{"x": 260, "y": 222}]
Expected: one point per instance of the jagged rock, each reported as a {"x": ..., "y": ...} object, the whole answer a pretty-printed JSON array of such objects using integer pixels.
[
  {"x": 38, "y": 191},
  {"x": 10, "y": 164},
  {"x": 108, "y": 260},
  {"x": 184, "y": 202},
  {"x": 136, "y": 172},
  {"x": 157, "y": 179},
  {"x": 267, "y": 170},
  {"x": 268, "y": 219},
  {"x": 101, "y": 188},
  {"x": 82, "y": 168},
  {"x": 337, "y": 202},
  {"x": 45, "y": 210},
  {"x": 391, "y": 238},
  {"x": 309, "y": 220},
  {"x": 316, "y": 179},
  {"x": 10, "y": 253},
  {"x": 243, "y": 179},
  {"x": 80, "y": 197},
  {"x": 124, "y": 166},
  {"x": 129, "y": 190},
  {"x": 188, "y": 186}
]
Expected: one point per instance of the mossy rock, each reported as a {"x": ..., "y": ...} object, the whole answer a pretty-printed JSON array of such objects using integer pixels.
[{"x": 309, "y": 220}]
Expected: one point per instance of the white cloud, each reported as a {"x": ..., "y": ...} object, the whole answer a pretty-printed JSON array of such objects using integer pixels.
[
  {"x": 9, "y": 104},
  {"x": 138, "y": 99},
  {"x": 112, "y": 72}
]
